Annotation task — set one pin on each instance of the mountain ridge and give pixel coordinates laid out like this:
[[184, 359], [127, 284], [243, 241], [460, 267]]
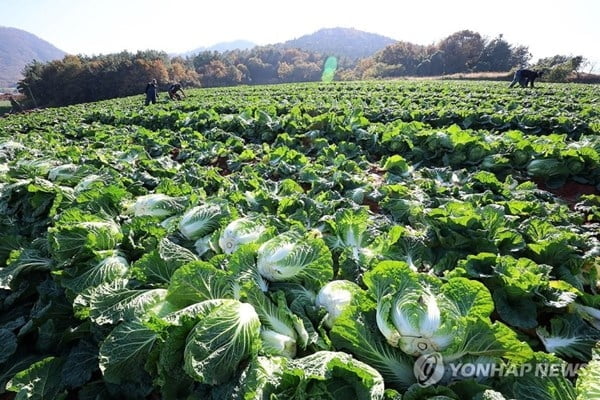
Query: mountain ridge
[[342, 42], [17, 49]]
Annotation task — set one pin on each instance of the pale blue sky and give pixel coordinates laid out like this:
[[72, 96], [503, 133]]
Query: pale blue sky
[[106, 26]]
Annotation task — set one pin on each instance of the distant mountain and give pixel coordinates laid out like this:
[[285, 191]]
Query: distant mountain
[[224, 46], [17, 49], [341, 42]]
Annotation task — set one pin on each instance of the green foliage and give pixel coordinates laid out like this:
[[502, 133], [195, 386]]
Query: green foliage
[[559, 67]]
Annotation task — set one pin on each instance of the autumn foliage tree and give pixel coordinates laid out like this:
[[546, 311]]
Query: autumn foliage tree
[[78, 79]]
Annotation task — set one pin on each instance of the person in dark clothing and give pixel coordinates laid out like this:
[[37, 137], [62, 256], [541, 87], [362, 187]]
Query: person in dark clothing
[[151, 92], [524, 77], [174, 90]]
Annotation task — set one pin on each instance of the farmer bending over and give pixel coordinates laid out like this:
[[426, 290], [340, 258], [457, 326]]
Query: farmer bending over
[[173, 92], [525, 77]]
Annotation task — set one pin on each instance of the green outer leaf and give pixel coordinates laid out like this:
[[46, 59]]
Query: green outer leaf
[[569, 337], [198, 281], [227, 334], [535, 385], [472, 298], [260, 380], [491, 340], [418, 392], [124, 351], [366, 383], [387, 278], [159, 265], [519, 312], [41, 380], [355, 331], [321, 375], [24, 262], [112, 303], [16, 363], [81, 363], [172, 379], [301, 302], [588, 381]]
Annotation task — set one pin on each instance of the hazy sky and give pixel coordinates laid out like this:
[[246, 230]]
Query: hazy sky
[[106, 26]]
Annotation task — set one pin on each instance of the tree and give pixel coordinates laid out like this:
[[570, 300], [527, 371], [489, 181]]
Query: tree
[[432, 64], [260, 71], [407, 54], [220, 73], [437, 61], [461, 51], [495, 56], [499, 55], [186, 76], [298, 72], [558, 68], [520, 56]]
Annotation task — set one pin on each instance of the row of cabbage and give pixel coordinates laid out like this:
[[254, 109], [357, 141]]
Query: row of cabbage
[[247, 254], [491, 106]]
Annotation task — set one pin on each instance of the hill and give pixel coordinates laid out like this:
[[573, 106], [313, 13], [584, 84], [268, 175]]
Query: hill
[[341, 42], [17, 49], [224, 46]]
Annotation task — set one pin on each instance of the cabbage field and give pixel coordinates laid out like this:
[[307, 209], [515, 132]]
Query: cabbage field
[[361, 240]]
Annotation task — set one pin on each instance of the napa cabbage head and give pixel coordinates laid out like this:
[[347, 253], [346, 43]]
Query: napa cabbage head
[[282, 332], [420, 323], [420, 314], [157, 205], [202, 220], [89, 181], [277, 343], [107, 266], [69, 174], [334, 297], [350, 230], [295, 257], [238, 232], [64, 173]]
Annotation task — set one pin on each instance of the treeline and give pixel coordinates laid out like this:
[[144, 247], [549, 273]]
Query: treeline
[[461, 52], [260, 65], [77, 79]]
